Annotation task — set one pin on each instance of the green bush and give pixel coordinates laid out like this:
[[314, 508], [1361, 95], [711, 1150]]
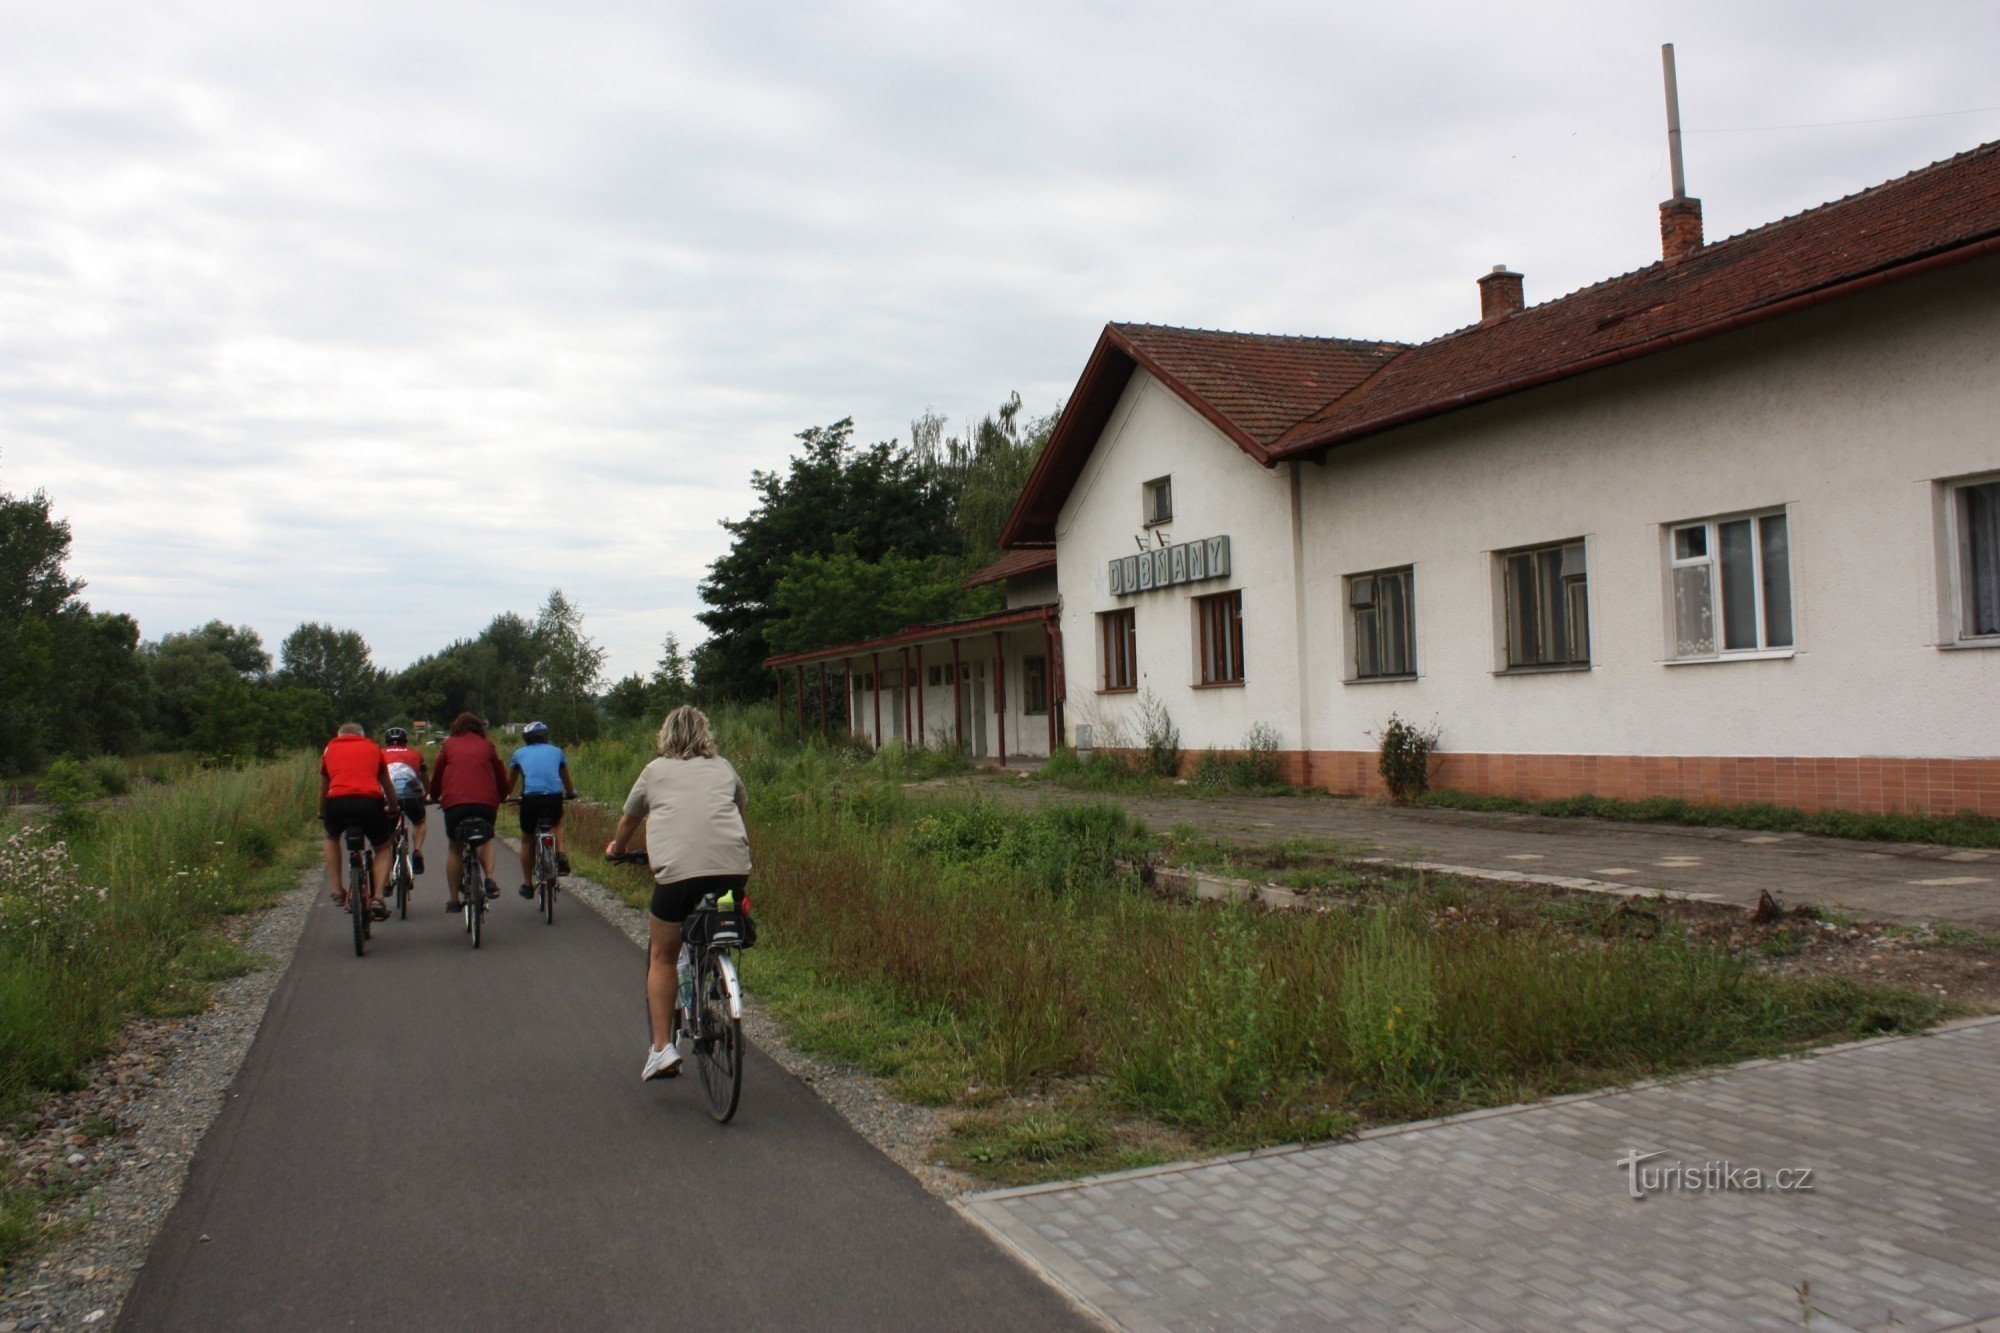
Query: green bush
[[68, 784], [110, 775], [1259, 765], [1163, 738], [1406, 758], [1388, 1003]]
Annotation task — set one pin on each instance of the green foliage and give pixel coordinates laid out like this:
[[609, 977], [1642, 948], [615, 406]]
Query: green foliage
[[1162, 737], [336, 663], [1405, 764], [243, 721], [568, 665], [71, 681], [982, 473], [1388, 1003], [491, 675], [840, 597], [1260, 756], [1964, 829], [877, 496]]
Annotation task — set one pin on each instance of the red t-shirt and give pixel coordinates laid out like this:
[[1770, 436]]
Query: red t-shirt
[[353, 766], [468, 772]]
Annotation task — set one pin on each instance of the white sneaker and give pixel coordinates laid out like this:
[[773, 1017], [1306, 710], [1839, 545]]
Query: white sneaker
[[663, 1063]]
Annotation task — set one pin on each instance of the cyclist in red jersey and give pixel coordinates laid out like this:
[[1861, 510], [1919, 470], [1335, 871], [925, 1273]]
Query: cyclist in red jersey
[[468, 782], [355, 792]]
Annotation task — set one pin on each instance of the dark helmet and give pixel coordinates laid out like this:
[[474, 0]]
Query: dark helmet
[[396, 736], [535, 729]]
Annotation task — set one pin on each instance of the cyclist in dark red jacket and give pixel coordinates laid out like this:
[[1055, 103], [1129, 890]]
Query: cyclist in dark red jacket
[[468, 782]]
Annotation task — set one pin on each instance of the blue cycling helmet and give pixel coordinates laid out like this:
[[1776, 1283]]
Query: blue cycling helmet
[[534, 729]]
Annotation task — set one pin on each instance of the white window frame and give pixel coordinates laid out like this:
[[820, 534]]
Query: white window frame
[[1711, 560], [1351, 584], [1954, 565], [1148, 500]]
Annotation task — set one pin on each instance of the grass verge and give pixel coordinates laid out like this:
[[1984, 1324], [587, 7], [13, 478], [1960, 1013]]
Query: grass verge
[[112, 916], [1958, 830]]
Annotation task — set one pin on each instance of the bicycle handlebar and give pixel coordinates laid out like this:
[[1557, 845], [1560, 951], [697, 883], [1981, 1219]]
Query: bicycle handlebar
[[628, 858]]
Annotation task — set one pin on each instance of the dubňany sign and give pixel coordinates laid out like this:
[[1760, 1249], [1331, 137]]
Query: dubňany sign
[[1167, 566]]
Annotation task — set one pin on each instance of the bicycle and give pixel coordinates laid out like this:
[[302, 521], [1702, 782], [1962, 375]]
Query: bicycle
[[472, 834], [547, 882], [401, 878], [360, 875], [714, 1021]]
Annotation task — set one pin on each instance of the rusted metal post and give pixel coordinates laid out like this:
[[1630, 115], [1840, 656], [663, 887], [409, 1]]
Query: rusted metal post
[[957, 698], [920, 694], [779, 672], [875, 679], [847, 693], [822, 701], [1000, 692], [799, 685], [903, 656]]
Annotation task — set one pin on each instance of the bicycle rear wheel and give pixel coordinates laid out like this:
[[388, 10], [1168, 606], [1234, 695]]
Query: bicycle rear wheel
[[357, 904], [719, 1050], [475, 903]]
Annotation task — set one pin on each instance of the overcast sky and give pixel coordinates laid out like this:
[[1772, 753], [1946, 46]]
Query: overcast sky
[[396, 315]]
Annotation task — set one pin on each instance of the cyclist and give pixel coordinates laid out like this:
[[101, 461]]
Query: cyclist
[[355, 792], [406, 770], [467, 783], [690, 804], [542, 773]]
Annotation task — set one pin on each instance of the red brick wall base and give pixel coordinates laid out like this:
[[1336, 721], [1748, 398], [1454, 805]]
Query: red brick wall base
[[1871, 786]]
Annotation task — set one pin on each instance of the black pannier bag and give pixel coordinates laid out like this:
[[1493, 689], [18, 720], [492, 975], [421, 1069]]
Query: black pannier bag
[[715, 927]]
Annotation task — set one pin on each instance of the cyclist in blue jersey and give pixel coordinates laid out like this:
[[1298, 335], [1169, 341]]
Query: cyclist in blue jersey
[[542, 773]]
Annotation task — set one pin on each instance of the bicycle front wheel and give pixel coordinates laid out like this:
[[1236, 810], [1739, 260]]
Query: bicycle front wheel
[[718, 1052]]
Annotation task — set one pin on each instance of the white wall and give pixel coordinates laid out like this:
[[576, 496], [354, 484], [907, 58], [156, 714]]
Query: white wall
[[1027, 733], [1218, 491], [1845, 415]]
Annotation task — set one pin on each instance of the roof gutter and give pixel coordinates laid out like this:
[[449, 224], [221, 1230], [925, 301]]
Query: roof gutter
[[1665, 342]]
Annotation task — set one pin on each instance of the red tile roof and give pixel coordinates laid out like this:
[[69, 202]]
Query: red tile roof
[[1251, 386], [1030, 560], [1281, 397], [1942, 213], [1260, 385]]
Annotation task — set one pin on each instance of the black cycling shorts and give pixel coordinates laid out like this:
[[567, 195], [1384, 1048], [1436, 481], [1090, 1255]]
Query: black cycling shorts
[[672, 902], [413, 809], [367, 813], [536, 808], [458, 814]]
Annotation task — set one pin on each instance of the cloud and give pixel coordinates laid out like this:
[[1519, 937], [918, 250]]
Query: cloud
[[399, 316]]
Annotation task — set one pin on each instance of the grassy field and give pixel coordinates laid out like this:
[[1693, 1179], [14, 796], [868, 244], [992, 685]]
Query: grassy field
[[111, 916], [997, 961]]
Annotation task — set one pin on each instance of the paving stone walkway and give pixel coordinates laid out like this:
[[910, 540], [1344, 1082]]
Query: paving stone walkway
[[1879, 880], [1524, 1217]]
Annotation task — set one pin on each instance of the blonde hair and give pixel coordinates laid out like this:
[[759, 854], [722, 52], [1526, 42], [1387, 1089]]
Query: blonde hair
[[685, 735]]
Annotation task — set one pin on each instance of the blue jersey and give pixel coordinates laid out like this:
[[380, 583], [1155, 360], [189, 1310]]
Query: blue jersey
[[540, 765]]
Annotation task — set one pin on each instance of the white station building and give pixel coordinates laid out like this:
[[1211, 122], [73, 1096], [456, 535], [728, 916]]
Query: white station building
[[1725, 528]]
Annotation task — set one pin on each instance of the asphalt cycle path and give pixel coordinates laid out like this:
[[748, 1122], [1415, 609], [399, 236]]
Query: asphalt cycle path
[[441, 1138]]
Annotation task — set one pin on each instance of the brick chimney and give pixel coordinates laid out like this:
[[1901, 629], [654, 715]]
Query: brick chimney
[[1680, 228], [1499, 294]]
